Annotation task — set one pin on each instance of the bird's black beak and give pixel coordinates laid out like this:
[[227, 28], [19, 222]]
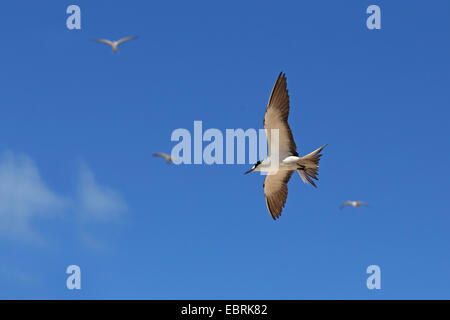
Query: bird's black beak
[[249, 171]]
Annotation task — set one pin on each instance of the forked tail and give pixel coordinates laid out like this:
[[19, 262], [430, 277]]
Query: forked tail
[[309, 166]]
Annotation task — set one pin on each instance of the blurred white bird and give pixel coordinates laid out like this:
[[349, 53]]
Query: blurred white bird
[[115, 44], [355, 204], [163, 155]]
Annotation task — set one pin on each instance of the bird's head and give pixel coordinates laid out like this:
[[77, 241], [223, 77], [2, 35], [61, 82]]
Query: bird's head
[[254, 168]]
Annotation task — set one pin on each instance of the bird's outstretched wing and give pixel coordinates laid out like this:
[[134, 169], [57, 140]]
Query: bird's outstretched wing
[[346, 203], [163, 155], [276, 117], [275, 190], [108, 42], [362, 203], [126, 39]]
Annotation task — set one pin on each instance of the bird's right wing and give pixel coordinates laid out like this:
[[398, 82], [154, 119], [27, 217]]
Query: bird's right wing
[[105, 41], [126, 39], [346, 203], [275, 190], [276, 117]]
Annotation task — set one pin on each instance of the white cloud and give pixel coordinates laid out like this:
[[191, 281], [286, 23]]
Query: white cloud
[[92, 242], [24, 197], [98, 202], [25, 200], [14, 275]]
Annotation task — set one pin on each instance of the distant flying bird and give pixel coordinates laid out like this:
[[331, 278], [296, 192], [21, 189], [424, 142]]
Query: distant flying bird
[[275, 184], [355, 204], [115, 44], [163, 155]]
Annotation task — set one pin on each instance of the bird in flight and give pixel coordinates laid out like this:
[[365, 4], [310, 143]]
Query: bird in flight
[[355, 204], [163, 155], [115, 44], [275, 184]]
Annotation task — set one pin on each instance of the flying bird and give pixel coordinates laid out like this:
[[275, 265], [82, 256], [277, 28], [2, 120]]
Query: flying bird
[[115, 44], [355, 204], [163, 155], [275, 184]]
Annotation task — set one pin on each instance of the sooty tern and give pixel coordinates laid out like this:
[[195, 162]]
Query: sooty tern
[[355, 204], [275, 184], [115, 44]]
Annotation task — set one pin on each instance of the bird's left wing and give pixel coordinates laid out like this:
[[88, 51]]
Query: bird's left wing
[[346, 203], [276, 117], [126, 39], [275, 190], [106, 41], [162, 155]]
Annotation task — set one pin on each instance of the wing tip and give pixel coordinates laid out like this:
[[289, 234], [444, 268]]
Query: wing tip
[[281, 76], [275, 216]]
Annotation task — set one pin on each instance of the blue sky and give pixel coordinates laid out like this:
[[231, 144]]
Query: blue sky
[[79, 125]]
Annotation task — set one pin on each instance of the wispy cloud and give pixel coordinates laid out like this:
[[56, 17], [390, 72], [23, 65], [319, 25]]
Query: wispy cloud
[[92, 242], [96, 202], [24, 197], [15, 275]]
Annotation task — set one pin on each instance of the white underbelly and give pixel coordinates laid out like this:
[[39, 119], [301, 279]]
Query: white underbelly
[[287, 163]]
